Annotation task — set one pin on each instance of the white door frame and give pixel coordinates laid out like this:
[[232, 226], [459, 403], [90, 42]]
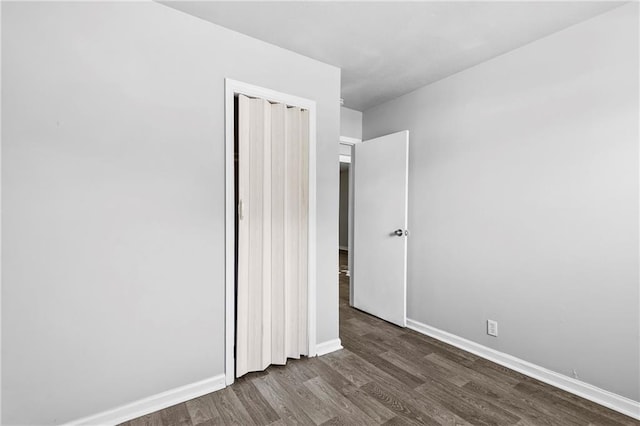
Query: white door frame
[[233, 88], [350, 141]]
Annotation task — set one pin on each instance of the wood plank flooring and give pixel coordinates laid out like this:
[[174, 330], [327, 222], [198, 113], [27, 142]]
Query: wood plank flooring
[[386, 375]]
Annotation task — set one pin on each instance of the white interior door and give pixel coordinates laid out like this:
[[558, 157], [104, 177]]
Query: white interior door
[[379, 276]]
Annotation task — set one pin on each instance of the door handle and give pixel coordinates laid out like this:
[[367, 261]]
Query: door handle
[[400, 232]]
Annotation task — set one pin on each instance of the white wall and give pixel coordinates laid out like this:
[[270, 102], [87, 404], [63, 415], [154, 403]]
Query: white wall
[[350, 123], [113, 199], [523, 204]]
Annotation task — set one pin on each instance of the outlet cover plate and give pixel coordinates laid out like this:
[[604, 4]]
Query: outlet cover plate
[[492, 328]]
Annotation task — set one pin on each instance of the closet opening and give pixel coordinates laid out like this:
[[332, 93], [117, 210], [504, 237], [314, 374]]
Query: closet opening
[[270, 229]]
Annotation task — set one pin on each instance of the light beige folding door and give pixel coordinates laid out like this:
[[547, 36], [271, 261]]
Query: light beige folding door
[[273, 215]]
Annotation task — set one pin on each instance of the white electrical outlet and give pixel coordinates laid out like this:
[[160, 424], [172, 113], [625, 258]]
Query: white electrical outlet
[[492, 328]]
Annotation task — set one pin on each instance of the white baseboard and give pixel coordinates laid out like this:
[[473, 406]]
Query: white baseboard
[[603, 397], [172, 397], [328, 347], [153, 403]]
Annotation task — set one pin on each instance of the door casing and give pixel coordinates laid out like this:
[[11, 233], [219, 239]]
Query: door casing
[[350, 141]]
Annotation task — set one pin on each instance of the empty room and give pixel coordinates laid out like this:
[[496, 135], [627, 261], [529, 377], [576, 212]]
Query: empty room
[[320, 213]]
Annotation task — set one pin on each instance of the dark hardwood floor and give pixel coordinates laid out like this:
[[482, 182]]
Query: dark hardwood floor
[[386, 375]]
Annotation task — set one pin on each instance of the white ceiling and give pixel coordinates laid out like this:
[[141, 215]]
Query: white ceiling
[[387, 49]]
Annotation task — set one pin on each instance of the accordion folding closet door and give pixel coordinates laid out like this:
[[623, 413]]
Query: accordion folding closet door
[[272, 217]]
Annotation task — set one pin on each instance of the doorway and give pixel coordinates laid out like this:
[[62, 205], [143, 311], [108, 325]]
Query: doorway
[[345, 217], [234, 209], [344, 209]]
